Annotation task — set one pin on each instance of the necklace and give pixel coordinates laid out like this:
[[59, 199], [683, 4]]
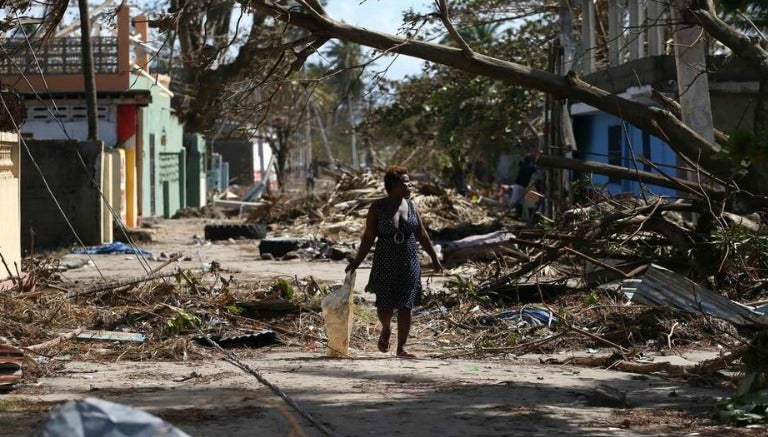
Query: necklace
[[399, 237]]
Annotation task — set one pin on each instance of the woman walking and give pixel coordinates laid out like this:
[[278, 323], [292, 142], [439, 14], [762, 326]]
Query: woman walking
[[394, 223]]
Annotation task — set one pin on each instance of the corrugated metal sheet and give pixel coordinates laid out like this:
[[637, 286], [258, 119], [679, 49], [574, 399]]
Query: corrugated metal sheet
[[11, 362], [662, 288]]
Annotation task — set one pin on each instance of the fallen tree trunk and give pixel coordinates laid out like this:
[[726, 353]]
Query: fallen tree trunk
[[626, 173], [480, 247], [616, 362]]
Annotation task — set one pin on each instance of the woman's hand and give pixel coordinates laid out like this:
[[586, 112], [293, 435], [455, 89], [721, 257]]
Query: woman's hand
[[354, 264]]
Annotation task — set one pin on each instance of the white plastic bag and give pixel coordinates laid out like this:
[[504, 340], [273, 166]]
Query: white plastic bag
[[337, 313]]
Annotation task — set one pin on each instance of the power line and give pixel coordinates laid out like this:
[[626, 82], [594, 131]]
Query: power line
[[142, 261], [45, 183]]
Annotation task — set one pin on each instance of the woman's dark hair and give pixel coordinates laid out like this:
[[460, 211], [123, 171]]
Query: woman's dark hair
[[393, 176]]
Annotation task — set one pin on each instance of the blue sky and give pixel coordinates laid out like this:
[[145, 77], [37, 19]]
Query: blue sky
[[383, 16], [380, 15]]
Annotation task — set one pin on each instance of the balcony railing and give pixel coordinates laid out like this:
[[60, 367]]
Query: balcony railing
[[58, 56]]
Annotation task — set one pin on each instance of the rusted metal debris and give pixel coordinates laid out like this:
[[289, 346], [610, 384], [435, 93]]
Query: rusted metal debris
[[11, 365]]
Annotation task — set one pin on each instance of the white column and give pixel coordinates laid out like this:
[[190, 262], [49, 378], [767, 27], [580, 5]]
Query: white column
[[615, 31], [588, 36], [655, 24], [636, 34], [692, 80]]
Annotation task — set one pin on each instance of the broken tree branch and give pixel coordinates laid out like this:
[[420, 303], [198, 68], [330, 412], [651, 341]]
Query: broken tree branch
[[443, 8], [54, 342], [655, 121], [620, 172]]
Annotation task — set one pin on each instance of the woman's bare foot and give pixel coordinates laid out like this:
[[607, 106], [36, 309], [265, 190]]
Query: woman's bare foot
[[405, 355], [384, 340]]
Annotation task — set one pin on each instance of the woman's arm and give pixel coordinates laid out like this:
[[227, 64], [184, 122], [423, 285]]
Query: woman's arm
[[366, 241], [426, 243]]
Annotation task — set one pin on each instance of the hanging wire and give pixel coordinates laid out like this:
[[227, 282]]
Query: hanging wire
[[47, 186], [140, 257]]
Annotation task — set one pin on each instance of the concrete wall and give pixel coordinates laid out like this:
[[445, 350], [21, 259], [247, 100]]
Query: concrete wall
[[10, 173], [44, 122], [72, 186], [732, 111]]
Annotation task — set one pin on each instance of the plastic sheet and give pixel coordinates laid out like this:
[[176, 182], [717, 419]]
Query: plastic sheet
[[116, 247], [93, 417], [337, 313]]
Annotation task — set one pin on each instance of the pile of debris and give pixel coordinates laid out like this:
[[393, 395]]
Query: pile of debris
[[340, 214], [163, 316], [207, 211]]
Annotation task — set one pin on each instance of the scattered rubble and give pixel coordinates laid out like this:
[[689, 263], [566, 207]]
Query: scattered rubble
[[590, 280], [202, 212]]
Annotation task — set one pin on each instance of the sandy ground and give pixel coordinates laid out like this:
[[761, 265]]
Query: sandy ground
[[370, 394]]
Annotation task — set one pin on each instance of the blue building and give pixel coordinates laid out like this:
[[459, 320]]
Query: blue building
[[605, 138], [628, 49]]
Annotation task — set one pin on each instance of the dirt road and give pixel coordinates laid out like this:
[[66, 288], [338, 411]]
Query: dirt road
[[372, 393]]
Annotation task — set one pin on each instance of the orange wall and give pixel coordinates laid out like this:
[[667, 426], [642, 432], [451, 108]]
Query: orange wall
[[74, 82]]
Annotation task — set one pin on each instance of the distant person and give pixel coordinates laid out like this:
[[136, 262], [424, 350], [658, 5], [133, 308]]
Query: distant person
[[460, 180], [525, 171], [311, 176], [369, 160], [534, 202], [480, 169], [394, 223]]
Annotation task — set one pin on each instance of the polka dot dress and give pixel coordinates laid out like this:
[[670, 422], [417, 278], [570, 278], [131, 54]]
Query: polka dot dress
[[396, 273]]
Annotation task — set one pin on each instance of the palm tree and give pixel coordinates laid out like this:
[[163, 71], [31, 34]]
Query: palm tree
[[479, 35], [346, 82]]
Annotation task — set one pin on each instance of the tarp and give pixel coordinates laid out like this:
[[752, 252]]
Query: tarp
[[116, 247], [92, 417]]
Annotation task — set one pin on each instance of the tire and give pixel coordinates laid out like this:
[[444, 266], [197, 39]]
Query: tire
[[225, 232], [279, 247]]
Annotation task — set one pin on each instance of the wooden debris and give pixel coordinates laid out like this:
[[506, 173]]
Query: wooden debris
[[50, 343]]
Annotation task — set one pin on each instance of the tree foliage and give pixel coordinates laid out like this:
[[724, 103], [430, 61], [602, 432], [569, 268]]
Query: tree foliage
[[466, 116], [269, 40]]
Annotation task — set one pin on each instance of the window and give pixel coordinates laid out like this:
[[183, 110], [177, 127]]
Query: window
[[615, 148]]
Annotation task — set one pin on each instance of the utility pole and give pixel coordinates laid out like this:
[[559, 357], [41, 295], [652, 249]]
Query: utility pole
[[88, 75], [692, 79], [353, 128]]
